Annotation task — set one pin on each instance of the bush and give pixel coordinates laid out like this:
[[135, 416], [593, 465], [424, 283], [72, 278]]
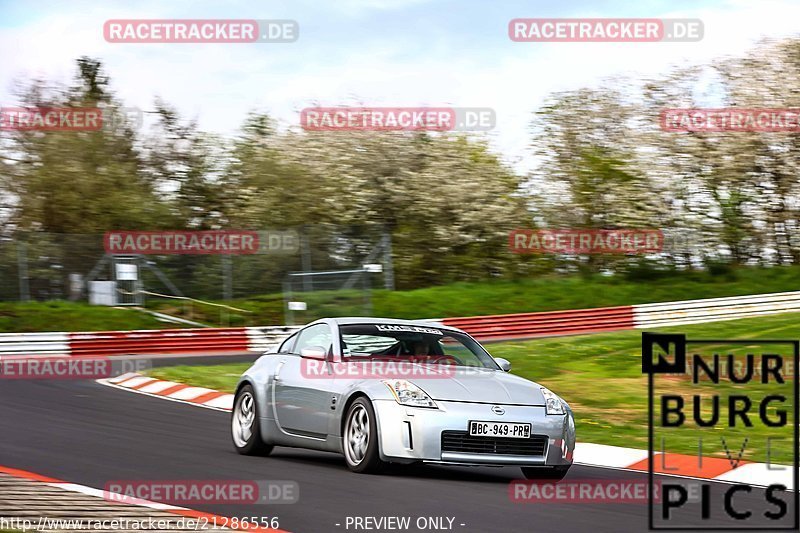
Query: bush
[[648, 270], [721, 269]]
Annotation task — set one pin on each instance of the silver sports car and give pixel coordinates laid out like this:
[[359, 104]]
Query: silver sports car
[[383, 390]]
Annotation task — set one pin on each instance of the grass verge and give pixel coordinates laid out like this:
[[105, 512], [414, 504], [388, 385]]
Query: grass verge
[[71, 316], [544, 293]]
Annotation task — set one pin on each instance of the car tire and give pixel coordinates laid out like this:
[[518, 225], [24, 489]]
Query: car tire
[[245, 424], [360, 440], [553, 473]]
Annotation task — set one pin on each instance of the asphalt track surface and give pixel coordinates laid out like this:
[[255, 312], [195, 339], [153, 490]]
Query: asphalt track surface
[[86, 433]]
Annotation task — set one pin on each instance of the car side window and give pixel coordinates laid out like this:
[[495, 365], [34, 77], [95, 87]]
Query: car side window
[[316, 335], [286, 345], [455, 349]]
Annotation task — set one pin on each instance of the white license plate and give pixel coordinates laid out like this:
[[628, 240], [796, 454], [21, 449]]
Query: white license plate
[[513, 430]]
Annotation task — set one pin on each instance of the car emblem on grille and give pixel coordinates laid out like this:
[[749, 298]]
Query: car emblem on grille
[[496, 409]]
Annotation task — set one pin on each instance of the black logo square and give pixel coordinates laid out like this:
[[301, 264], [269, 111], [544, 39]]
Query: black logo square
[[670, 350]]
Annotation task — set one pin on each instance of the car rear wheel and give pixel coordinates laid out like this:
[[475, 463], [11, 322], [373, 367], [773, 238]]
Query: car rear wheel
[[552, 473], [360, 439], [245, 426]]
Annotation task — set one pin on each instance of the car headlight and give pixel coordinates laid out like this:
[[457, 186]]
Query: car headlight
[[553, 405], [406, 393]]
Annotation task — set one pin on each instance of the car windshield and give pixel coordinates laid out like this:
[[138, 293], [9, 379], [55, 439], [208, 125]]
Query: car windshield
[[421, 343]]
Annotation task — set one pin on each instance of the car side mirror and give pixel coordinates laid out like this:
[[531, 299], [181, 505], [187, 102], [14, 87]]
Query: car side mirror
[[505, 364], [314, 352]]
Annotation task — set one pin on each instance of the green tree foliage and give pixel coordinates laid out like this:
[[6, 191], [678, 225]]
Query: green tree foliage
[[447, 200], [78, 182]]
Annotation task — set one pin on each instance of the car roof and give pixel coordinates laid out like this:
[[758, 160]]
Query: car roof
[[432, 322]]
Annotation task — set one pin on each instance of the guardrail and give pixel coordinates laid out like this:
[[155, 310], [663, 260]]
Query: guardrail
[[526, 325], [530, 325], [486, 328], [714, 309], [39, 344], [170, 341]]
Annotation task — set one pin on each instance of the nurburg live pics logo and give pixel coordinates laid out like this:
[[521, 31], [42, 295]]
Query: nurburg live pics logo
[[717, 406]]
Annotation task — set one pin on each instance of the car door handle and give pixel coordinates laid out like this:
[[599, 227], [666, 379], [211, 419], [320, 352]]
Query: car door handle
[[277, 375]]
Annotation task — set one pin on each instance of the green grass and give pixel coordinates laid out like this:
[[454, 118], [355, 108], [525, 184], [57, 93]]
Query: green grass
[[217, 377], [70, 316], [543, 293], [600, 376]]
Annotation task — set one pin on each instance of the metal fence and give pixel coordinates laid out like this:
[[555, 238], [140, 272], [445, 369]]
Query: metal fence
[[47, 266]]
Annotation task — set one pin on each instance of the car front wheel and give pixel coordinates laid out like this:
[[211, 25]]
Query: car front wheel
[[245, 427], [360, 439]]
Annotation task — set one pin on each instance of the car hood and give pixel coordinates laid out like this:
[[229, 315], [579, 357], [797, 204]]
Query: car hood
[[482, 386]]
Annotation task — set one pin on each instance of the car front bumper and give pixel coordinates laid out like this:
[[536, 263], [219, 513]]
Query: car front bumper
[[410, 434]]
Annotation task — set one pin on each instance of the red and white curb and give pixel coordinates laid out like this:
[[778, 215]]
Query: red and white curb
[[170, 390], [587, 454], [254, 339], [685, 466], [90, 491]]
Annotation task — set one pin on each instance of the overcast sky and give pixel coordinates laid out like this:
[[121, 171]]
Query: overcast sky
[[379, 52]]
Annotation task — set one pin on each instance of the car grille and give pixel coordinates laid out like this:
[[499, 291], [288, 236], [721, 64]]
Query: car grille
[[462, 442]]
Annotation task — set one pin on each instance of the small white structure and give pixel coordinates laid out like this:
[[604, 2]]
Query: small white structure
[[102, 293]]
